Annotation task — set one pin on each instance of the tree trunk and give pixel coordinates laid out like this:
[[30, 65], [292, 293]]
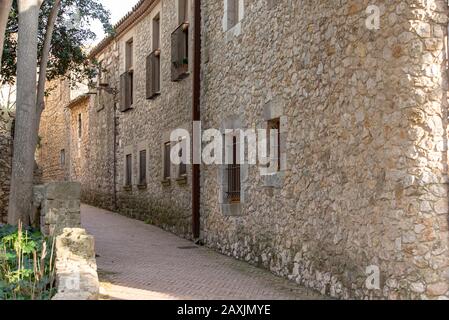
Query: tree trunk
[[21, 192], [5, 8]]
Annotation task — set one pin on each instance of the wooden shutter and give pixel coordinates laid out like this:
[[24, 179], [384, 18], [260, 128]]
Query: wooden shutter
[[124, 92], [157, 74], [179, 54], [149, 77], [174, 57], [128, 178], [153, 85], [143, 167], [167, 161]]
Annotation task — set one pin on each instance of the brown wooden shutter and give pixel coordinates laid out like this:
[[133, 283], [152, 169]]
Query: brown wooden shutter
[[174, 56], [179, 54], [124, 92], [153, 85], [157, 74], [149, 93]]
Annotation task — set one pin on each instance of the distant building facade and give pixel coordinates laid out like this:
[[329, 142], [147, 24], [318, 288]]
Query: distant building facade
[[358, 205], [6, 126]]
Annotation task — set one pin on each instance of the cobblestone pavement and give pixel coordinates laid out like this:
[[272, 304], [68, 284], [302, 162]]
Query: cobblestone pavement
[[137, 261]]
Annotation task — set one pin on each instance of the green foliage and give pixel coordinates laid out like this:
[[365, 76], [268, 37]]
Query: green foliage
[[68, 54], [26, 265]]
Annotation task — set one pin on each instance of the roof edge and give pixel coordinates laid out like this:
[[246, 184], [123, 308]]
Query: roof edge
[[122, 25]]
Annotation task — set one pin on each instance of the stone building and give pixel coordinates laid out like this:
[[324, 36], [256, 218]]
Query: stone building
[[54, 134], [6, 122], [360, 192]]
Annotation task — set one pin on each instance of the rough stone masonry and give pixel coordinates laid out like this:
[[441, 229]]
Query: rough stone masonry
[[363, 122], [6, 121]]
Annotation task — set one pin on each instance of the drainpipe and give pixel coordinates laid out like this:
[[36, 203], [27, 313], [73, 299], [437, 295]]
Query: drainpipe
[[114, 169], [196, 116]]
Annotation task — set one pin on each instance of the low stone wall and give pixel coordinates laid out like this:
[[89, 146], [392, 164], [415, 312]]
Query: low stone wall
[[58, 206], [76, 267], [6, 120]]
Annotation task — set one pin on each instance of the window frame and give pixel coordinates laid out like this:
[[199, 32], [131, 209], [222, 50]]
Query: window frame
[[143, 171], [128, 170], [275, 124], [62, 158], [166, 162], [80, 126]]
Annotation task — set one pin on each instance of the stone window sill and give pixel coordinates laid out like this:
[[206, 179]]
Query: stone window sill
[[182, 180], [232, 210], [154, 96], [234, 31], [166, 182], [127, 188], [142, 186], [275, 180]]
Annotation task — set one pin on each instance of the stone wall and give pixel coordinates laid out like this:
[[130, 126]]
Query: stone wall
[[54, 134], [76, 266], [366, 140], [6, 121], [146, 127], [364, 131], [79, 145], [58, 206]]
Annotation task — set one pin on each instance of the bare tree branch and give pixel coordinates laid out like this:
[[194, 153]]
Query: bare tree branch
[[5, 8]]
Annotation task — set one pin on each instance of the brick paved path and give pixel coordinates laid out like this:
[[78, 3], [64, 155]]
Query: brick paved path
[[141, 262]]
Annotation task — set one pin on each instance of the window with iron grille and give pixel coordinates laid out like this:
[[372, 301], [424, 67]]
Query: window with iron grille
[[182, 165], [180, 52], [143, 167], [233, 173], [274, 137], [62, 157], [167, 161], [80, 126], [128, 170]]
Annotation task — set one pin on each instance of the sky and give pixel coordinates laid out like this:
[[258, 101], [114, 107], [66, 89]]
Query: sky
[[118, 9]]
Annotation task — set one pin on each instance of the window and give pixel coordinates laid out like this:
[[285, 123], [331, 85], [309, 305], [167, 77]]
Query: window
[[233, 13], [156, 32], [180, 44], [129, 55], [80, 126], [167, 161], [62, 157], [183, 11], [102, 75], [153, 63], [274, 136], [182, 166], [233, 171], [128, 170], [143, 167], [127, 78]]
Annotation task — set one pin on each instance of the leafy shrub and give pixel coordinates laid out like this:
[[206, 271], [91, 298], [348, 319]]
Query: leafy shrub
[[26, 264]]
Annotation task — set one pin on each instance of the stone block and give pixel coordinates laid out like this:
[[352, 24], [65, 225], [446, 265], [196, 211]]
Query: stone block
[[76, 268], [63, 191]]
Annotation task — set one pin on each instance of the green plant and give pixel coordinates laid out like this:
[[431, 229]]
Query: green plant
[[26, 264]]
